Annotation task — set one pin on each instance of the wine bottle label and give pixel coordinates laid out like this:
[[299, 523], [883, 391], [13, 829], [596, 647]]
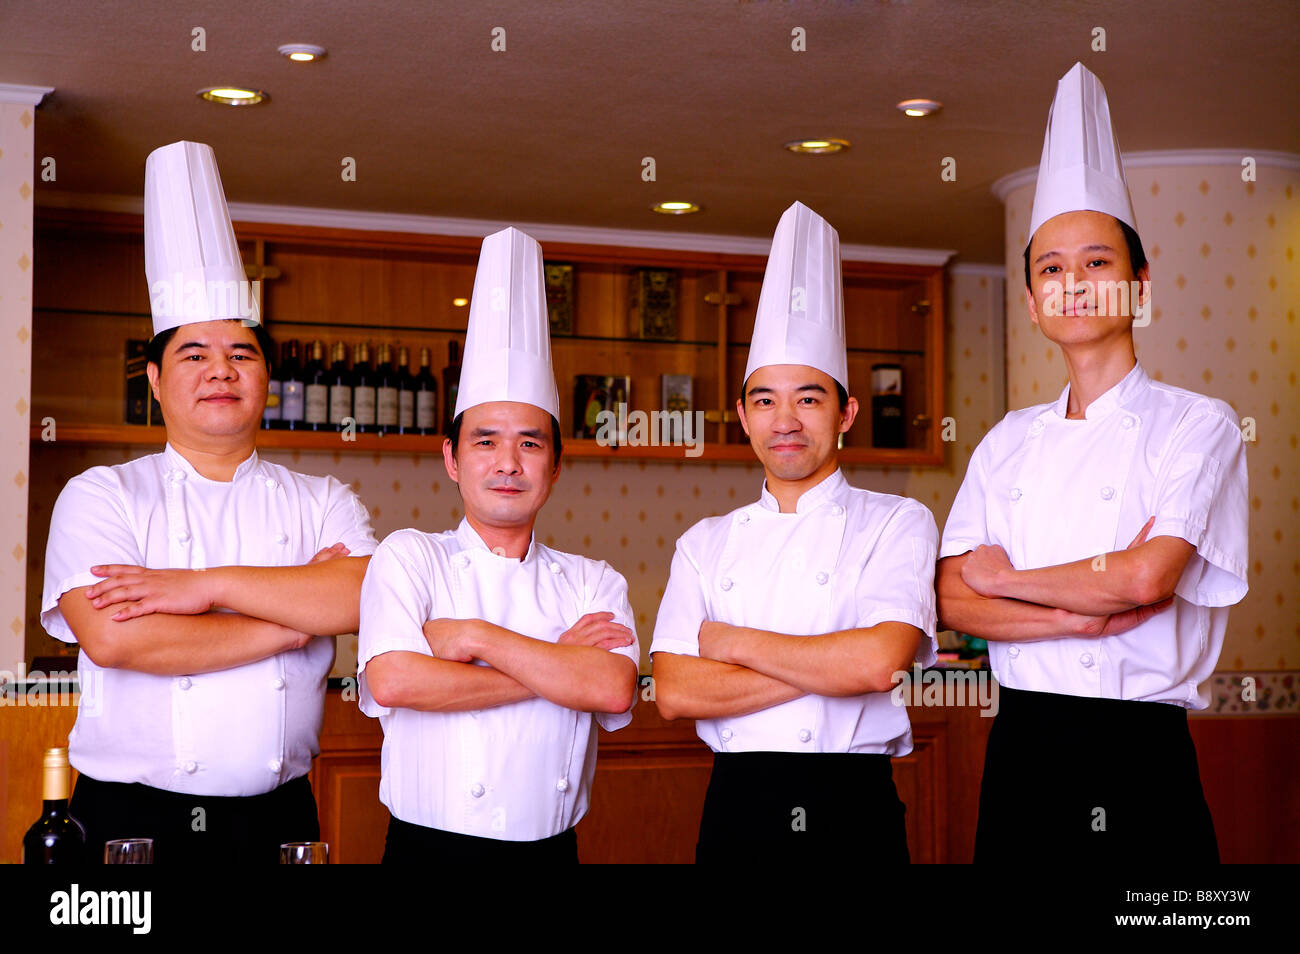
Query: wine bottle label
[[318, 403], [424, 404], [273, 401], [363, 405], [406, 409], [291, 401], [340, 403], [386, 407]]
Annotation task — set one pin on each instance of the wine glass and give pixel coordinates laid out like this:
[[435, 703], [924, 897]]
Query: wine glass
[[305, 853], [128, 851]]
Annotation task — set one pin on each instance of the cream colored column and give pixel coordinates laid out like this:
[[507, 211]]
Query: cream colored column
[[17, 186], [1225, 287]]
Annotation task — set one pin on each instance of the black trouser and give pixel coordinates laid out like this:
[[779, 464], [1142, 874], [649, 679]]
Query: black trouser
[[228, 829], [1076, 779], [409, 844], [766, 807]]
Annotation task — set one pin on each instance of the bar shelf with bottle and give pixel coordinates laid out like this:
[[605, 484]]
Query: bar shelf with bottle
[[407, 290]]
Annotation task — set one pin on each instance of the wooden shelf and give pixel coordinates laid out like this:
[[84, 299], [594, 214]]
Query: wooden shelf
[[136, 435]]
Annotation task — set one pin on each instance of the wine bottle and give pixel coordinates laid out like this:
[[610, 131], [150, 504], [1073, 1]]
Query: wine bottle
[[293, 385], [450, 384], [56, 837], [317, 402], [274, 398], [426, 396], [405, 393], [363, 389], [386, 391], [340, 384]]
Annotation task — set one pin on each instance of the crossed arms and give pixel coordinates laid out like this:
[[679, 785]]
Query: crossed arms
[[166, 622]]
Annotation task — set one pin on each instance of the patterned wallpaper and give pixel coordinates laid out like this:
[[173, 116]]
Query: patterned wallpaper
[[1224, 289], [17, 130], [629, 514]]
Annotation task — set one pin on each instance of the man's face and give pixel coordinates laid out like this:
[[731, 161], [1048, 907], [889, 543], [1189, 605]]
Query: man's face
[[212, 382], [793, 418], [504, 463], [1081, 279]]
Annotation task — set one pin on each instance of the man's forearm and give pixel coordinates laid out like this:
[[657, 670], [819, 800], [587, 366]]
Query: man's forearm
[[167, 645], [586, 678], [690, 687], [847, 662], [321, 598], [409, 680], [998, 618], [1109, 583]]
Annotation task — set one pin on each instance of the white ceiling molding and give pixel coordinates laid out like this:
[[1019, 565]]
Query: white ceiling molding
[[23, 95], [436, 225], [1165, 157], [979, 269]]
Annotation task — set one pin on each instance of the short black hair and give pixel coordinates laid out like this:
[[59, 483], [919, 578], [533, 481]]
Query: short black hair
[[158, 344], [1137, 256], [840, 392], [453, 435]]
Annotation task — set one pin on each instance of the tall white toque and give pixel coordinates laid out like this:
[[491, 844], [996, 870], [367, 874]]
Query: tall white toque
[[508, 344], [1081, 168], [191, 258], [800, 317]]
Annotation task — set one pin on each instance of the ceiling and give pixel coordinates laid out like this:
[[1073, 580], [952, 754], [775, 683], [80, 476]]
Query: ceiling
[[554, 129]]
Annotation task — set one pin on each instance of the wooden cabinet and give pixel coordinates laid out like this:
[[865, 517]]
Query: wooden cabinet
[[333, 284]]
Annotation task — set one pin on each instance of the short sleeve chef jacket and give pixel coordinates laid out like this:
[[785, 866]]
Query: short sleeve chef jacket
[[1050, 491], [515, 772], [847, 558], [240, 731]]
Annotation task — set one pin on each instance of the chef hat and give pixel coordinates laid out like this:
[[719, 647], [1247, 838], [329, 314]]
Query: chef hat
[[508, 344], [1081, 168], [191, 258], [800, 317]]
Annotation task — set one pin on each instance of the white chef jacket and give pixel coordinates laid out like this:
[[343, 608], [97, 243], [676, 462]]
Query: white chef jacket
[[239, 731], [847, 558], [1050, 491], [515, 772]]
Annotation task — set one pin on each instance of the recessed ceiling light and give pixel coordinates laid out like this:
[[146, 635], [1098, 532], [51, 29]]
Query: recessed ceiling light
[[675, 208], [301, 52], [817, 147], [920, 107], [460, 302], [233, 95]]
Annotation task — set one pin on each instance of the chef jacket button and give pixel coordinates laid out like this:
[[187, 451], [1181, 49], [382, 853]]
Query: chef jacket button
[[478, 790], [1015, 493], [184, 682], [822, 578], [282, 538], [1107, 493], [562, 785], [743, 518], [1035, 427], [837, 510], [726, 735], [1127, 422], [1014, 651], [183, 536], [277, 683], [190, 767], [1086, 659], [555, 568], [275, 765], [178, 475], [462, 560], [270, 484], [804, 735], [726, 583]]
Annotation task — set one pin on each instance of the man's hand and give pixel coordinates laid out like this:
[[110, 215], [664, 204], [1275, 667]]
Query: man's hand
[[143, 591], [984, 570], [329, 553], [450, 638], [599, 630], [1122, 622]]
